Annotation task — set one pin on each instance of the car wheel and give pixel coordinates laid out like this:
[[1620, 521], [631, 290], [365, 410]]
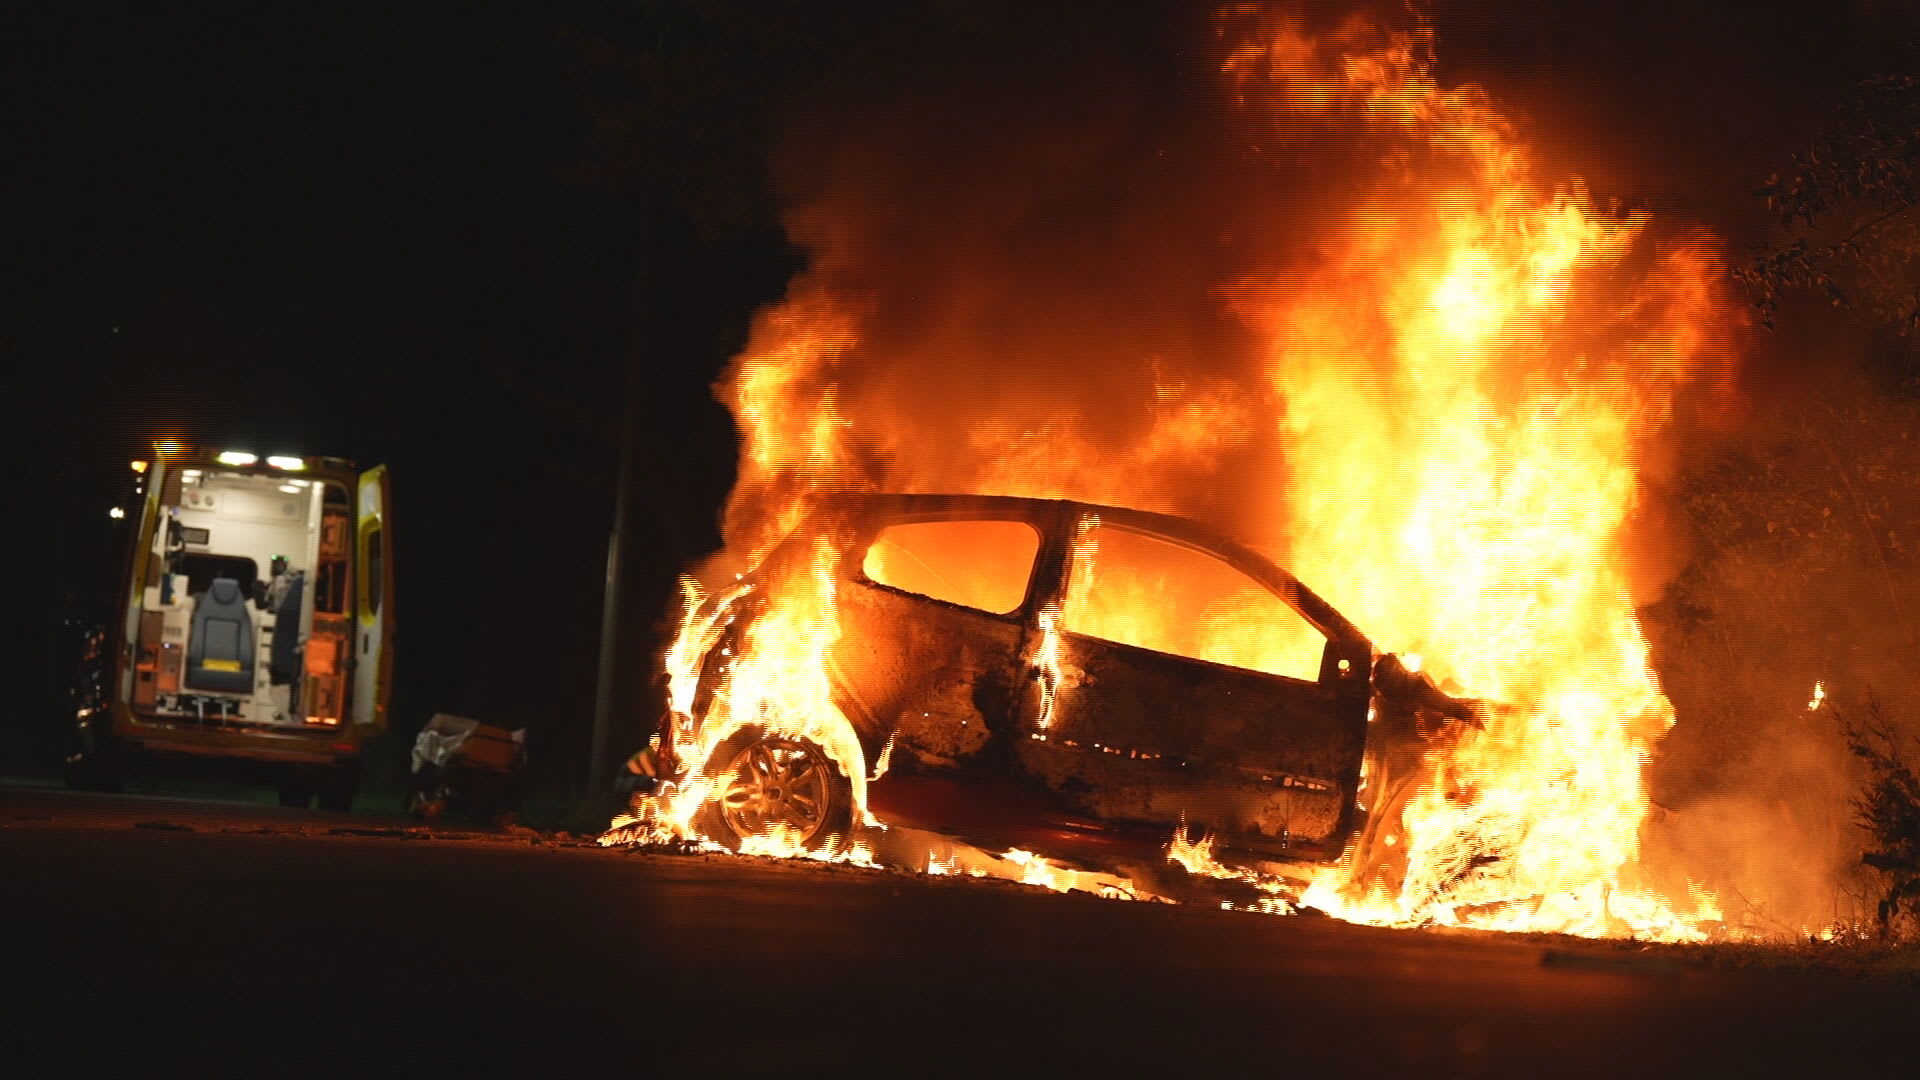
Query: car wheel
[[1379, 853], [338, 792], [777, 789]]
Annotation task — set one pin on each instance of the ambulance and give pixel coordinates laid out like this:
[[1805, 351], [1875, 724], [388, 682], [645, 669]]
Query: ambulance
[[253, 632]]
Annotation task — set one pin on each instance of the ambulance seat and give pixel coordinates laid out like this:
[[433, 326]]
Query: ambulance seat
[[220, 646]]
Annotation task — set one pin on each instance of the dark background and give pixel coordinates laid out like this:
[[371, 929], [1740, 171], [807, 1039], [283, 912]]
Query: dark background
[[438, 236]]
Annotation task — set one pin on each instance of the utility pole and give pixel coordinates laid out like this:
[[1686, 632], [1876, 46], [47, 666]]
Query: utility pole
[[597, 763]]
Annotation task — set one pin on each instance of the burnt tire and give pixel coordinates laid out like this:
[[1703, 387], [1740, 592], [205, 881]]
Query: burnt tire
[[777, 788], [1379, 853]]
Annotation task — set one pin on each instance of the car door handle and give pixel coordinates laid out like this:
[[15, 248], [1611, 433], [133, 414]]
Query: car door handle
[[1067, 678]]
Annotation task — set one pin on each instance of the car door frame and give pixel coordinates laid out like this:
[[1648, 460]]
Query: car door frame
[[1349, 685], [1042, 516]]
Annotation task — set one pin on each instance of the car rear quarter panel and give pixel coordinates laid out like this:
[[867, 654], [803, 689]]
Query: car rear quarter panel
[[939, 675]]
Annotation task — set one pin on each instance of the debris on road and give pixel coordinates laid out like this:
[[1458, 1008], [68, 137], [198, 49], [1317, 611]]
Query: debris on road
[[463, 765]]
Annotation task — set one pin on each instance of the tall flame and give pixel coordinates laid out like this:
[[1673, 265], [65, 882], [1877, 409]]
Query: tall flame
[[1468, 381], [774, 675], [1462, 382]]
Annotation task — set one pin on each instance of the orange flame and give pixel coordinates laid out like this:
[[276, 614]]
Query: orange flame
[[1467, 388], [1462, 383]]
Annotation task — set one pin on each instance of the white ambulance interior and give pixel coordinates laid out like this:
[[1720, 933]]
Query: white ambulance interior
[[245, 620]]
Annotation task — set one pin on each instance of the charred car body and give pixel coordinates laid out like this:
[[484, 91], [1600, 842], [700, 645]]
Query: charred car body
[[1074, 680]]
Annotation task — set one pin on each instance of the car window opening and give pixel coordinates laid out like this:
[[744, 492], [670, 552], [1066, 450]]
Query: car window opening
[[978, 564], [1135, 589]]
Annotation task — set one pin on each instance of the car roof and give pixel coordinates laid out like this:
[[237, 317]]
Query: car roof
[[1182, 531], [1020, 506]]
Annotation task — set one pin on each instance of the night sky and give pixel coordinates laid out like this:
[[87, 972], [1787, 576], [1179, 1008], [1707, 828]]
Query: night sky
[[438, 235]]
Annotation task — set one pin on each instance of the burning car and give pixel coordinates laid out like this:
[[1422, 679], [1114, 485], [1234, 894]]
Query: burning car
[[1077, 681]]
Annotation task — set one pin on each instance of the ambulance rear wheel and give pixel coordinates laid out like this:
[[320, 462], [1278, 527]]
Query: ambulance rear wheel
[[95, 764], [93, 773], [337, 793]]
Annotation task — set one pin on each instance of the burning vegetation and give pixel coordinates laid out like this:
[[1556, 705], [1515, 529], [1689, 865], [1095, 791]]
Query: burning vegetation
[[1351, 323]]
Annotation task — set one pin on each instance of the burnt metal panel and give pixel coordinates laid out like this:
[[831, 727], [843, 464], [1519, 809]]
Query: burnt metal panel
[[937, 677], [1140, 736]]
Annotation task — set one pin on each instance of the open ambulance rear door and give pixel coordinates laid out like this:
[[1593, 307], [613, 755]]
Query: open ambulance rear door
[[373, 603]]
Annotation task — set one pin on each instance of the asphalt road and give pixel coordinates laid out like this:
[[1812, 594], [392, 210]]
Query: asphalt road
[[151, 935]]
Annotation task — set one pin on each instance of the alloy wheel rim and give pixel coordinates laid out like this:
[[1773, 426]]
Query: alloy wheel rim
[[776, 787]]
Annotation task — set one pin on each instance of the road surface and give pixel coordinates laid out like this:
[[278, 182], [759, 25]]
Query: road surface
[[150, 935]]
